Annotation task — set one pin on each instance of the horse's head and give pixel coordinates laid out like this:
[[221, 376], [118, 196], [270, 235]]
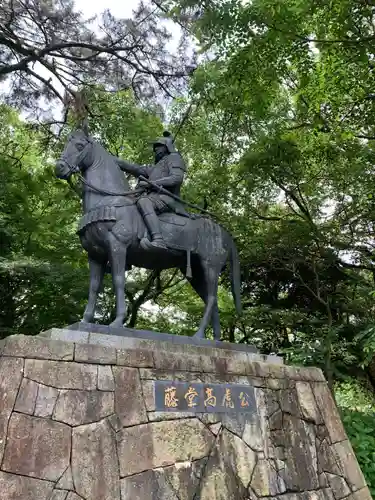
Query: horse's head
[[74, 155]]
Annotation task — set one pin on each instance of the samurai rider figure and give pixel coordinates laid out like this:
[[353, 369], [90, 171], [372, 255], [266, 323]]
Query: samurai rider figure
[[168, 173]]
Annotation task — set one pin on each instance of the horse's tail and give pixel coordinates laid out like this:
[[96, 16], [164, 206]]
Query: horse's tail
[[235, 276]]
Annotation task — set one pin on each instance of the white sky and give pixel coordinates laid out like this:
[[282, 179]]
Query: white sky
[[118, 9], [121, 9]]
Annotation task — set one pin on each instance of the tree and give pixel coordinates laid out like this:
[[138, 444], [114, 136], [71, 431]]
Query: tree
[[291, 91], [323, 56], [48, 50], [41, 272]]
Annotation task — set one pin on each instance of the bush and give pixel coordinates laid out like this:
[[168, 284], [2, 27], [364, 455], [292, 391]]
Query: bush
[[357, 408], [360, 428]]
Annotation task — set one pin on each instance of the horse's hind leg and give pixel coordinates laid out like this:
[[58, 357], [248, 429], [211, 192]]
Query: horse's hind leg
[[97, 269], [211, 280], [216, 321], [198, 283], [117, 258]]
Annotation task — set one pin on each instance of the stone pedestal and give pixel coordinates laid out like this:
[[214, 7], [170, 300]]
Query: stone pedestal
[[81, 418]]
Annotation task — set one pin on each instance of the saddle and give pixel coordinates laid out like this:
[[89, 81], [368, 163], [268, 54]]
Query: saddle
[[175, 227]]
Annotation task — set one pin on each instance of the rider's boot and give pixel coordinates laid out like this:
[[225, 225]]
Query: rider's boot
[[153, 225]]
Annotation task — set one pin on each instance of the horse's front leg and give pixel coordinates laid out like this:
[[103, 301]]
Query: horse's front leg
[[97, 269], [117, 257]]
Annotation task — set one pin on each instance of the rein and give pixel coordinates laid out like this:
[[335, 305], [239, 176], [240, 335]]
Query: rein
[[103, 191], [76, 170]]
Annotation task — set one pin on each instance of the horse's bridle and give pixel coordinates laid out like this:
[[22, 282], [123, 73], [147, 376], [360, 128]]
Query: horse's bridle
[[74, 169]]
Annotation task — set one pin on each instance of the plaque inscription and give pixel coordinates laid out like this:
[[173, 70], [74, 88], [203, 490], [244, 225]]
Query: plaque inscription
[[204, 398]]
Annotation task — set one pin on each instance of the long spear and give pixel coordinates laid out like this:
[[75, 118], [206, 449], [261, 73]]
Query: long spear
[[175, 197]]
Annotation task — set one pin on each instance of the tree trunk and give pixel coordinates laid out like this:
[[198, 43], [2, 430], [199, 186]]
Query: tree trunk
[[328, 367]]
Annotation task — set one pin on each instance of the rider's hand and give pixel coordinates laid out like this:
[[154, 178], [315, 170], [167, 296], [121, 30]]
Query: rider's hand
[[143, 184]]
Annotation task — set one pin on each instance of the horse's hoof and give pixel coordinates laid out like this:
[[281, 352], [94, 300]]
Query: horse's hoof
[[199, 335], [87, 321]]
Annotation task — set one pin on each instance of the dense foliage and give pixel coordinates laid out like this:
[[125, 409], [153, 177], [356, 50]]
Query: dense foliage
[[294, 166], [278, 132], [360, 428], [357, 412]]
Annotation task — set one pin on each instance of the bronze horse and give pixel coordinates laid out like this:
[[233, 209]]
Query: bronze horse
[[111, 229]]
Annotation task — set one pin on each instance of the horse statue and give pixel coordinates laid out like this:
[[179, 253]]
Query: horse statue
[[112, 228]]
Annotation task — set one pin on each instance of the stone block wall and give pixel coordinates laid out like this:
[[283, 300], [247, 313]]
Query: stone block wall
[[78, 422]]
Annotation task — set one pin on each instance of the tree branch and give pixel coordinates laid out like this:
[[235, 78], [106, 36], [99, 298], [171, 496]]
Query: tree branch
[[47, 83]]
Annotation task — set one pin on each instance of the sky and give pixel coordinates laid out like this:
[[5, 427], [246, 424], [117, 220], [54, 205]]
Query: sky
[[119, 9]]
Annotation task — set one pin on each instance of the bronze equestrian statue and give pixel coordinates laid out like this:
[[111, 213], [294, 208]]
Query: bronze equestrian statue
[[146, 227]]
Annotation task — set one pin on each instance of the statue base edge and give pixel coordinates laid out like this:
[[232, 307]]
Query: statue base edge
[[160, 336]]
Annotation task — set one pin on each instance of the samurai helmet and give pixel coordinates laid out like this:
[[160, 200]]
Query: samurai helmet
[[167, 141]]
